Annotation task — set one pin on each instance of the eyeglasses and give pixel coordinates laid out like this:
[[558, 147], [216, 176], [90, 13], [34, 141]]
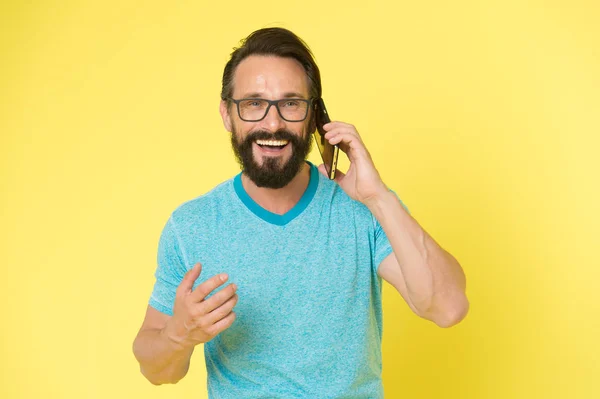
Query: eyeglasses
[[256, 109]]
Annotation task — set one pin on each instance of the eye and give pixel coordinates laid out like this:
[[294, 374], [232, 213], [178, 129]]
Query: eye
[[253, 103], [291, 103]]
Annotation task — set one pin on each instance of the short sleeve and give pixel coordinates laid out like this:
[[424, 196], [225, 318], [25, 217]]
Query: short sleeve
[[171, 267], [382, 245]]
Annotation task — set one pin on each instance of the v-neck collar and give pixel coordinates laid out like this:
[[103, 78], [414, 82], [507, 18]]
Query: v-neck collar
[[273, 218]]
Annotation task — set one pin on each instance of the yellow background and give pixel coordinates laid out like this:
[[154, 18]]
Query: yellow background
[[484, 116]]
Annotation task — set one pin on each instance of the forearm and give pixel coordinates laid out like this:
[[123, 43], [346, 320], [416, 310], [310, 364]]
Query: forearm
[[162, 361], [434, 279]]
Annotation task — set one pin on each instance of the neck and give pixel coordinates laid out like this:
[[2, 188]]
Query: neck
[[279, 200]]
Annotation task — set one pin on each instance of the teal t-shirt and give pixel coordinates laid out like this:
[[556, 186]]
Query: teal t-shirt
[[308, 318]]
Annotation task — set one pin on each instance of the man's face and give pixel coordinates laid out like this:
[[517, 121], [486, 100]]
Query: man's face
[[271, 78]]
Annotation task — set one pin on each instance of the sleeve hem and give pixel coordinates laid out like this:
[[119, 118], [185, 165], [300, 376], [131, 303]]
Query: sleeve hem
[[382, 255], [160, 307]]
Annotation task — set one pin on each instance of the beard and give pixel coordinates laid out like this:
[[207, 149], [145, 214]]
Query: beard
[[274, 171]]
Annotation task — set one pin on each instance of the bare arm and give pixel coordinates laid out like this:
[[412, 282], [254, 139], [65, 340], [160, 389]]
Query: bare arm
[[164, 344], [161, 359], [427, 276]]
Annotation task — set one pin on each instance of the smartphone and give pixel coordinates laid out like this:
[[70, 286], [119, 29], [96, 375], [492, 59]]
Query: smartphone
[[329, 152]]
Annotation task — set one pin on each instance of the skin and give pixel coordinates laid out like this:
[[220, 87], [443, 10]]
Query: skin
[[271, 78], [164, 345], [428, 278]]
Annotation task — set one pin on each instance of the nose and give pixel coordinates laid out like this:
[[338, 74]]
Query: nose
[[272, 121]]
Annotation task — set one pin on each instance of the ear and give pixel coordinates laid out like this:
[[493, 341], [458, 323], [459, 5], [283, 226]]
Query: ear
[[225, 115]]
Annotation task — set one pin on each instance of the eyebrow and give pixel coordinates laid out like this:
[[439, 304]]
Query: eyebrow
[[291, 94]]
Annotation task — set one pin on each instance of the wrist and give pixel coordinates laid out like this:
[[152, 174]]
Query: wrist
[[378, 201], [174, 340]]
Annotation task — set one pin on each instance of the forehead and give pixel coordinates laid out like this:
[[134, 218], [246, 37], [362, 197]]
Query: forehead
[[269, 77]]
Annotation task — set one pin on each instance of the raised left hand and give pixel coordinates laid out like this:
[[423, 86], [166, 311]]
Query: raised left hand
[[362, 181]]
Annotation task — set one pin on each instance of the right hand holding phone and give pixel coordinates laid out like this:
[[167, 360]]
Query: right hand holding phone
[[196, 320]]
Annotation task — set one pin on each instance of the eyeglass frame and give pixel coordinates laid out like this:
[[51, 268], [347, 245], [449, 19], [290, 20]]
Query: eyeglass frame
[[309, 103]]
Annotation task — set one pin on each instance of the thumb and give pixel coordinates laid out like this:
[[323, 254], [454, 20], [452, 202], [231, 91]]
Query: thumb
[[323, 170], [187, 283], [339, 175]]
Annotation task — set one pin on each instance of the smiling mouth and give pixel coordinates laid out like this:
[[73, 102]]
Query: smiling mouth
[[273, 146]]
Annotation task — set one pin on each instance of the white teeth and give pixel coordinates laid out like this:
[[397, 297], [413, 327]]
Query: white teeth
[[272, 142]]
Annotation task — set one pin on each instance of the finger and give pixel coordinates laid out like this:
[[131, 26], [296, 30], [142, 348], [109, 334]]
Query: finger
[[339, 175], [219, 298], [334, 140], [343, 137], [349, 143], [323, 170], [337, 124], [208, 286], [331, 125], [222, 324], [337, 129], [344, 147], [221, 311], [188, 279]]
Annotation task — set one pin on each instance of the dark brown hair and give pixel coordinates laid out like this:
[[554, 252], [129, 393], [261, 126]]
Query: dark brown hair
[[278, 42]]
